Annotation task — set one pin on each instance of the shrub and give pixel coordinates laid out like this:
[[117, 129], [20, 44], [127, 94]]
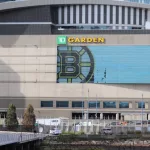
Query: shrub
[[29, 118], [11, 118]]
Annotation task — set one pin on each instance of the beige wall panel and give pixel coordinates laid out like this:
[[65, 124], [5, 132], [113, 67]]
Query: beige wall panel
[[4, 90], [47, 77], [5, 68], [4, 77], [26, 40], [4, 51], [48, 68]]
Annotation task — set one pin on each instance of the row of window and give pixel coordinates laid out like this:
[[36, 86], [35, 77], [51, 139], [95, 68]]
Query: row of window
[[101, 14], [140, 1], [91, 104]]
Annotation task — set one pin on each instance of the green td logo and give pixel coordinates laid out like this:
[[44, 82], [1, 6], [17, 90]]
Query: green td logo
[[62, 40]]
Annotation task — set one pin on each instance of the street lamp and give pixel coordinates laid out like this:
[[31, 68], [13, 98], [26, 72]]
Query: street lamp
[[142, 113]]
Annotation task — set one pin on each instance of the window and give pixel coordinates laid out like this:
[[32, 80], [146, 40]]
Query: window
[[80, 14], [134, 16], [74, 14], [94, 104], [46, 103], [86, 13], [62, 15], [99, 14], [123, 15], [140, 16], [129, 15], [109, 104], [111, 14], [92, 16], [146, 14], [68, 14], [141, 105], [105, 14], [78, 104], [62, 103], [124, 105], [117, 14]]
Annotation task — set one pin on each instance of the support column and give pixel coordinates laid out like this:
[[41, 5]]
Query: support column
[[148, 116], [101, 116], [117, 116]]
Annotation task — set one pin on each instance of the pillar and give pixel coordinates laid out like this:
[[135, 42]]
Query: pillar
[[148, 116], [117, 116], [101, 116]]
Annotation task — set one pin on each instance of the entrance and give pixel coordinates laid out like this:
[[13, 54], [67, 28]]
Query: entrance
[[77, 116], [3, 114], [94, 115], [109, 116]]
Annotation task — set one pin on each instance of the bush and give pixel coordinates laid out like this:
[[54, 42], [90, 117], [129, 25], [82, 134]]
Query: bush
[[74, 133], [138, 132], [11, 118], [130, 132], [29, 119]]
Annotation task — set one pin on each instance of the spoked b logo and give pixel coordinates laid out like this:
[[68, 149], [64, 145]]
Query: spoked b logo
[[61, 40]]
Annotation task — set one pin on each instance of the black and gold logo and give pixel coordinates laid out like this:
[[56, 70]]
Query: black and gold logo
[[75, 64]]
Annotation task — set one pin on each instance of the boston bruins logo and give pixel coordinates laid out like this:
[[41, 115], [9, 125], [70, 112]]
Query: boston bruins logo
[[75, 64]]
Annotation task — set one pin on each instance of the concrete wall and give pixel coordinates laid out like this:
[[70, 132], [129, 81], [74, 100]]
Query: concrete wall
[[28, 66]]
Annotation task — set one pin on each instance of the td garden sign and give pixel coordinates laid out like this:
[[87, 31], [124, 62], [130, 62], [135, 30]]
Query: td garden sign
[[64, 40]]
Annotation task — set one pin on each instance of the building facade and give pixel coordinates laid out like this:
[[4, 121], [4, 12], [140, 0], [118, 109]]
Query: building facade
[[60, 57]]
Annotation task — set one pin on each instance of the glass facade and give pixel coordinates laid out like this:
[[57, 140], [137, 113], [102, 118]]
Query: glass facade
[[62, 104], [109, 104], [46, 103], [124, 105], [94, 104], [78, 104]]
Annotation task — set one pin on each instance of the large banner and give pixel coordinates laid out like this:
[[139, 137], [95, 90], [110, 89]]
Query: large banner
[[103, 64]]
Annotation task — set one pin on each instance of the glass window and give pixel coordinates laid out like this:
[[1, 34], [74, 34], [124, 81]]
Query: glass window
[[129, 15], [62, 103], [99, 14], [134, 16], [140, 16], [141, 105], [117, 14], [123, 14], [80, 14], [105, 14], [111, 12], [92, 16], [109, 104], [86, 13], [74, 14], [68, 14], [62, 15], [46, 103], [94, 104], [124, 105], [77, 104], [146, 14]]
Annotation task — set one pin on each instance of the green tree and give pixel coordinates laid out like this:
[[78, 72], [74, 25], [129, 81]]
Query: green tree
[[11, 117], [29, 118]]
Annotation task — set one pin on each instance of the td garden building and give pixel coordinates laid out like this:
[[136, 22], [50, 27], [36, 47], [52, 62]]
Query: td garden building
[[75, 59]]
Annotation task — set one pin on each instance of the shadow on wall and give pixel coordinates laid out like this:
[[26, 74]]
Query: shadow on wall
[[10, 89]]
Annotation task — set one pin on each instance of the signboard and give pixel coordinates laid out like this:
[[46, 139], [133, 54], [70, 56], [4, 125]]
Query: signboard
[[64, 40]]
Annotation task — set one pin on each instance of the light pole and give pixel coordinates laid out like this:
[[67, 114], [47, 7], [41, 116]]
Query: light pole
[[96, 106], [82, 104], [142, 113], [87, 113]]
